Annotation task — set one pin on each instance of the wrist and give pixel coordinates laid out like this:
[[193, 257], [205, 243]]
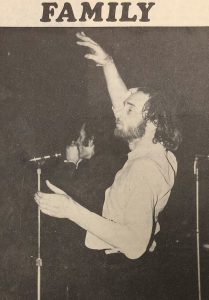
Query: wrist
[[78, 214], [108, 60], [73, 211]]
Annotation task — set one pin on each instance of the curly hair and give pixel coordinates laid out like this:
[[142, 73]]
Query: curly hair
[[157, 111]]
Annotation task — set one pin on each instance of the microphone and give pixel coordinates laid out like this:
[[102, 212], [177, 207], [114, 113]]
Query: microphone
[[201, 156], [196, 161], [45, 157]]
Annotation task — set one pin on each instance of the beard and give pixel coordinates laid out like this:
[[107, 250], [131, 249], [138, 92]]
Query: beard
[[132, 133]]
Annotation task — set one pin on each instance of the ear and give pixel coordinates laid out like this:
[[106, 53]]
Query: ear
[[155, 122], [151, 126], [152, 123]]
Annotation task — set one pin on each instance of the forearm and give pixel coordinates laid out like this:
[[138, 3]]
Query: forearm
[[115, 85], [120, 236]]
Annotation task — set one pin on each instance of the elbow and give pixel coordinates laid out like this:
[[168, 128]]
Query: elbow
[[135, 252], [135, 246]]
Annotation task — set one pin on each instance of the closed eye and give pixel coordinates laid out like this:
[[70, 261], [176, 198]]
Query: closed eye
[[130, 110], [131, 107]]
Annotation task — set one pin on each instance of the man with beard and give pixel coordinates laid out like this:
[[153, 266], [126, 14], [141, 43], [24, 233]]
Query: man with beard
[[125, 233]]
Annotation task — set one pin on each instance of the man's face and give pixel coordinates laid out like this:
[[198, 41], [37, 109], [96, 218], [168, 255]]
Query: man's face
[[85, 151], [129, 122]]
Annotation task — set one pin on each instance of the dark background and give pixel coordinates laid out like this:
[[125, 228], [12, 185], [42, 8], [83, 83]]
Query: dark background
[[47, 88]]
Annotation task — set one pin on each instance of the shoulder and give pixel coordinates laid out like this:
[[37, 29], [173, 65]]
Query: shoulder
[[143, 166], [145, 171]]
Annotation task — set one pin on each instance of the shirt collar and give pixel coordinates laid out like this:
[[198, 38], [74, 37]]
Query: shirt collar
[[143, 149]]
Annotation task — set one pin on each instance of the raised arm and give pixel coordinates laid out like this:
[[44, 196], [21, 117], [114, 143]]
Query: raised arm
[[115, 85]]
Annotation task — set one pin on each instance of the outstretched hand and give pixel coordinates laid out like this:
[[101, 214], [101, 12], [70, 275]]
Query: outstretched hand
[[58, 205], [97, 54]]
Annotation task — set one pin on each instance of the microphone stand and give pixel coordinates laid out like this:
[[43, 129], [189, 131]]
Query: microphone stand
[[40, 161], [39, 260], [196, 173]]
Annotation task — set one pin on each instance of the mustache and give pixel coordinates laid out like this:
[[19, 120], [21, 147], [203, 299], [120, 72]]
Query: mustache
[[118, 121]]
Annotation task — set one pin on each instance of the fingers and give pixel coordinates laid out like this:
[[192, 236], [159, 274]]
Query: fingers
[[91, 142], [88, 44], [54, 205], [48, 211], [38, 196], [85, 38], [97, 54], [44, 199], [54, 189], [90, 56]]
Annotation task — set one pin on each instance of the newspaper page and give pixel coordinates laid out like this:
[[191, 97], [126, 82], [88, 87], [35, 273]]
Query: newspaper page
[[100, 102]]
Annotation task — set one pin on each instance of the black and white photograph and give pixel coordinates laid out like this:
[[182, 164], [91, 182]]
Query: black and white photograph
[[104, 158]]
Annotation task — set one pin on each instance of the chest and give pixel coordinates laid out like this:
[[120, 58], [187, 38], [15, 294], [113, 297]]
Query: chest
[[117, 196]]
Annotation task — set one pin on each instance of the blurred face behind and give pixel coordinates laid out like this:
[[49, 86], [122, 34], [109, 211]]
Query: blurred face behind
[[86, 150], [130, 124]]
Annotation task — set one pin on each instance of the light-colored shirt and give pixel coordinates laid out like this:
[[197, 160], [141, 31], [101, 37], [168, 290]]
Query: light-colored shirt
[[139, 193]]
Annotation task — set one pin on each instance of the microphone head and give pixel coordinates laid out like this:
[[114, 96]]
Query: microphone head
[[44, 158], [201, 156]]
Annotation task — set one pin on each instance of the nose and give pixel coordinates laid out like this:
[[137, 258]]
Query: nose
[[118, 120]]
